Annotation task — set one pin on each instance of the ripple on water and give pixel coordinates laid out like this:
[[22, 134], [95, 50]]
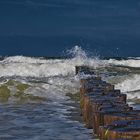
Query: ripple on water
[[40, 122]]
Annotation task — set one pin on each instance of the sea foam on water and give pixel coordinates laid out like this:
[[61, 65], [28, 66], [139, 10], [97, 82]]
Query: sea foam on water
[[37, 90], [59, 74]]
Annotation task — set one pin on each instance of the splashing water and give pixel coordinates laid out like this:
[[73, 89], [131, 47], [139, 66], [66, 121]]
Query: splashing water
[[77, 52], [52, 79], [55, 77], [39, 67], [80, 57], [37, 105], [130, 86], [58, 70]]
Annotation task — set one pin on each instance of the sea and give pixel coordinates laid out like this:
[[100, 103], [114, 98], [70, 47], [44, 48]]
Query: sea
[[39, 95], [34, 101]]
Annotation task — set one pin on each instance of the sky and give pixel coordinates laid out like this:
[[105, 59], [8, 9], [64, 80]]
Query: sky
[[50, 27]]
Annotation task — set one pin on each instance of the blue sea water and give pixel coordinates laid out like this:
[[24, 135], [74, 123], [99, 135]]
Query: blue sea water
[[33, 94], [48, 27], [42, 110]]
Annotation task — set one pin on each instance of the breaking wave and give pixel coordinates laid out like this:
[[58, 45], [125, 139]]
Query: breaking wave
[[62, 71], [131, 86], [39, 67], [130, 62]]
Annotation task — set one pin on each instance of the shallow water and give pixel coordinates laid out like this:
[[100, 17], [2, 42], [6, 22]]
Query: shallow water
[[38, 108], [40, 122]]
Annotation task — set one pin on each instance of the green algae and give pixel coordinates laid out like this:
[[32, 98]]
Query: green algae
[[16, 90], [22, 97], [22, 87], [4, 93]]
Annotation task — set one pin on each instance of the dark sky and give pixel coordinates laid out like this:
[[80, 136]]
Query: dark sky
[[48, 27]]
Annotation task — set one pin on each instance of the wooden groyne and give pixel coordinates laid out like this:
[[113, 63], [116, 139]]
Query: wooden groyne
[[105, 109]]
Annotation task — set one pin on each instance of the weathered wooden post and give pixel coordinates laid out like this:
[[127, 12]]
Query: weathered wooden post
[[105, 110], [121, 129]]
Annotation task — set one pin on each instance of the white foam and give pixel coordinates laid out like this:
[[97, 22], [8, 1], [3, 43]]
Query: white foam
[[49, 68], [23, 59], [38, 67], [24, 66], [56, 76], [129, 62], [131, 86]]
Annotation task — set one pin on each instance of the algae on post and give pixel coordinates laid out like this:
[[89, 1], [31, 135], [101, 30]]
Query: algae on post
[[4, 93]]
